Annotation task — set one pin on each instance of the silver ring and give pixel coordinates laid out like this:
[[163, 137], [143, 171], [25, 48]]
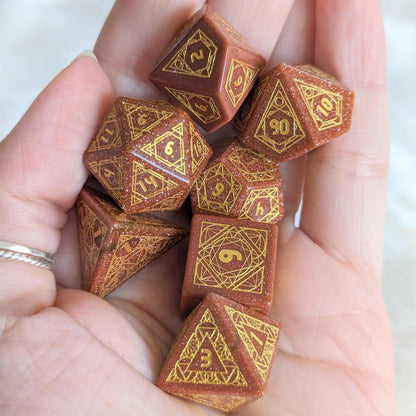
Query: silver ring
[[13, 251]]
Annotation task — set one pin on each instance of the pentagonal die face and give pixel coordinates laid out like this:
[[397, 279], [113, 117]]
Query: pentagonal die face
[[208, 69], [292, 110], [239, 182], [147, 154]]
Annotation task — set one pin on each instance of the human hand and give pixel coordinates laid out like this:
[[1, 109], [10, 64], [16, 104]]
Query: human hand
[[69, 352]]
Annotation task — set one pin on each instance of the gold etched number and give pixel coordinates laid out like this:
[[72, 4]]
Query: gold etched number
[[108, 173], [227, 256], [280, 126], [238, 81], [142, 120], [259, 209], [325, 106], [206, 358], [169, 148], [197, 55], [106, 139], [256, 338], [219, 189], [150, 180], [201, 107]]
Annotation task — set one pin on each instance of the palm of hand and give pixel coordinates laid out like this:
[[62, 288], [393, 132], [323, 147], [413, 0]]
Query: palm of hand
[[84, 355]]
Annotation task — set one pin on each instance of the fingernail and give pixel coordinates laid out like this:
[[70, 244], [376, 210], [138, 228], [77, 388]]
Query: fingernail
[[89, 53]]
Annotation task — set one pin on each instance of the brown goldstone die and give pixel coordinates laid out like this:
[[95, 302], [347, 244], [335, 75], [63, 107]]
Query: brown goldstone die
[[232, 257], [114, 245], [292, 110], [208, 69], [239, 182], [147, 154], [223, 355]]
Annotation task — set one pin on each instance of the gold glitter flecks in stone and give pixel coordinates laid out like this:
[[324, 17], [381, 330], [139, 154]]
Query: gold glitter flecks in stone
[[279, 128], [313, 70], [262, 205], [199, 148], [230, 32], [170, 203], [108, 136], [206, 358], [324, 106], [224, 402], [259, 338]]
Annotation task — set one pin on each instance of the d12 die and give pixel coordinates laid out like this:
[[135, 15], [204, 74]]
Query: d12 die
[[147, 155], [234, 258], [239, 182], [223, 355], [208, 69], [114, 245], [292, 110]]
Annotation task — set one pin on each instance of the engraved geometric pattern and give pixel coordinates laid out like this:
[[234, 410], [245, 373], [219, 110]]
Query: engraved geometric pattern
[[254, 166], [142, 118], [316, 71], [147, 183], [195, 365], [199, 149], [195, 58], [108, 136], [169, 203], [279, 120], [230, 31], [261, 205], [324, 106], [209, 197], [240, 77], [258, 337], [223, 402], [214, 268], [202, 106], [169, 150]]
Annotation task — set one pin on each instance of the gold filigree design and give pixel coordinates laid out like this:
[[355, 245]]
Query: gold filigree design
[[206, 358], [279, 128], [108, 136], [195, 58], [259, 338], [324, 106], [239, 79], [169, 203], [313, 70], [231, 257], [199, 148], [224, 402], [230, 32], [262, 205]]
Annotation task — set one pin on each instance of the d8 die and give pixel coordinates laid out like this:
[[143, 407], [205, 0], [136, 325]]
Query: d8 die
[[234, 258], [223, 355], [208, 69], [147, 155], [239, 182], [292, 110], [114, 245]]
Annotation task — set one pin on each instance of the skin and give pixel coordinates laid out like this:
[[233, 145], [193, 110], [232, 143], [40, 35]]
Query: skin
[[64, 351]]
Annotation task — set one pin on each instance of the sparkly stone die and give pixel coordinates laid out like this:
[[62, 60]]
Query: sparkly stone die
[[208, 69], [239, 182], [147, 154], [114, 245], [292, 110], [232, 257], [223, 355]]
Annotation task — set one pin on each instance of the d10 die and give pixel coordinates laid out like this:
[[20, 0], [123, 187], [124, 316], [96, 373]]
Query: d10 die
[[239, 182], [292, 110], [223, 355], [234, 258], [114, 245], [208, 69], [147, 155]]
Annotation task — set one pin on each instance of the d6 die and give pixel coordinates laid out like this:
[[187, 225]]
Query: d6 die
[[292, 110], [239, 182], [147, 155], [234, 258], [223, 355], [114, 245], [208, 69]]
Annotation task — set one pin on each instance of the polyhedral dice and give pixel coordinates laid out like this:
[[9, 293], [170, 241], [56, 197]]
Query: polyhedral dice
[[223, 355], [239, 182], [114, 245], [147, 154], [234, 258], [208, 69], [292, 110]]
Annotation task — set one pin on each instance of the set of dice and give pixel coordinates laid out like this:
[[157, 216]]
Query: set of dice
[[149, 156]]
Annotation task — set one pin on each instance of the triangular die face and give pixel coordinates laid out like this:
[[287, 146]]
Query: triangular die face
[[224, 402]]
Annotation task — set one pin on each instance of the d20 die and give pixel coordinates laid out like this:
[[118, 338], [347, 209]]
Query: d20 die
[[114, 245], [223, 355], [239, 182], [208, 69], [292, 110], [147, 154], [234, 258]]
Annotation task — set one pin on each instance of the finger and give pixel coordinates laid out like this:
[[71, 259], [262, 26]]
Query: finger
[[343, 209]]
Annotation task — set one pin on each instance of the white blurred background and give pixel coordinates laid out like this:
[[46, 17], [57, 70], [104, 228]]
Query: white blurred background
[[39, 37]]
